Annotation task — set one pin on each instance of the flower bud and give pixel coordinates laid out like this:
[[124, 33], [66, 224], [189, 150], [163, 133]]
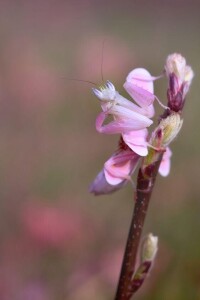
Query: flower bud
[[176, 64], [150, 247], [180, 77], [169, 127], [149, 250], [189, 74]]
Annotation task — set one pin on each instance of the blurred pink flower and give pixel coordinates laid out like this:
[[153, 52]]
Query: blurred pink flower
[[27, 79], [53, 226], [88, 279], [110, 265], [33, 291]]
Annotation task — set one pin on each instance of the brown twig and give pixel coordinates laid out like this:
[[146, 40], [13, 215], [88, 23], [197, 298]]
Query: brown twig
[[145, 183]]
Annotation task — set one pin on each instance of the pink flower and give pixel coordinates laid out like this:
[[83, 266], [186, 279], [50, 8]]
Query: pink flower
[[54, 227], [116, 173], [164, 168], [118, 169], [120, 166], [139, 85], [131, 121]]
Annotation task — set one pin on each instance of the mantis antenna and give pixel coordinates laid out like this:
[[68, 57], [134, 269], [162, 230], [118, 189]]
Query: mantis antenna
[[88, 81], [102, 53]]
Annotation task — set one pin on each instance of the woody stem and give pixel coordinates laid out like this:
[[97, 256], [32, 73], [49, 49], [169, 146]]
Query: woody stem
[[145, 183]]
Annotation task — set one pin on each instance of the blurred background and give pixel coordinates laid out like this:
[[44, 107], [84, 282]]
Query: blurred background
[[57, 241]]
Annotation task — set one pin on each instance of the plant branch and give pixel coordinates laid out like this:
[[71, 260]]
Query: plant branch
[[145, 183]]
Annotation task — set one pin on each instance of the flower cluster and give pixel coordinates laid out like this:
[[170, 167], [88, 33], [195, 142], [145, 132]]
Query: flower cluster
[[131, 120]]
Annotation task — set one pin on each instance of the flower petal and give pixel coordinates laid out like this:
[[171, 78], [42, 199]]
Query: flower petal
[[120, 166], [164, 168], [141, 96], [150, 111], [142, 78], [137, 141], [139, 85], [101, 187]]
